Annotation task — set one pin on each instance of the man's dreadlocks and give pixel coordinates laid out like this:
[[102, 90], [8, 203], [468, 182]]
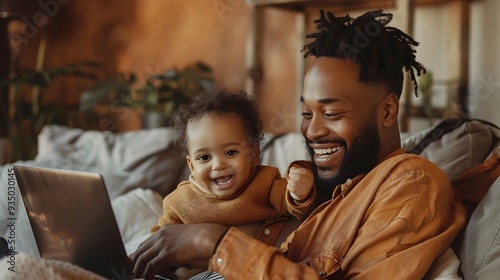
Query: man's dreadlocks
[[383, 52]]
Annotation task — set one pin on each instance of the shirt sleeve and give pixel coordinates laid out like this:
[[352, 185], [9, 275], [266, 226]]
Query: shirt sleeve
[[239, 256]]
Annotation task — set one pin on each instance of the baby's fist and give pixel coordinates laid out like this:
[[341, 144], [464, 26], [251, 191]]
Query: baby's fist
[[300, 182]]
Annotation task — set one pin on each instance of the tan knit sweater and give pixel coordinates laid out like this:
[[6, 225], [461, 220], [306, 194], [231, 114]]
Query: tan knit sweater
[[262, 198]]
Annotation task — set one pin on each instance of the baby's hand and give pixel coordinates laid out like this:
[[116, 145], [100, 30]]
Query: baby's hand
[[300, 182]]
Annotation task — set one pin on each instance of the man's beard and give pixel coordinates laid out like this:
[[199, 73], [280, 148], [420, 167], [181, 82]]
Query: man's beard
[[359, 159]]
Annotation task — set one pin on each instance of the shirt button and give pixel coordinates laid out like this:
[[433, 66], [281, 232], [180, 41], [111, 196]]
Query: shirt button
[[220, 262], [267, 231], [322, 274]]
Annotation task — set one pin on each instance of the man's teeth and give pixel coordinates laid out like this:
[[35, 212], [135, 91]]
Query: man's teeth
[[321, 152]]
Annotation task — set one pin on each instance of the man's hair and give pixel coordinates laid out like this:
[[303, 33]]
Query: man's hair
[[382, 52], [216, 102]]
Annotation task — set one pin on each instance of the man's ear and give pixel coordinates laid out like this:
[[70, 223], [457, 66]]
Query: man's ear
[[255, 157], [390, 109], [190, 164]]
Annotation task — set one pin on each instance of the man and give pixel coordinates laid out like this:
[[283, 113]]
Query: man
[[383, 213]]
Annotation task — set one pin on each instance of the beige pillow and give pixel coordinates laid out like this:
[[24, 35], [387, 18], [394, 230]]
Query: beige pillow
[[459, 150], [146, 158], [480, 252]]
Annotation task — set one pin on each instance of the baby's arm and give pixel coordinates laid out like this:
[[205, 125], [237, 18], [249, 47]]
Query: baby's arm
[[169, 215], [300, 182]]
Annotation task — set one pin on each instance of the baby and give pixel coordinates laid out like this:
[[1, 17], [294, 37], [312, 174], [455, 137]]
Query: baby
[[221, 132]]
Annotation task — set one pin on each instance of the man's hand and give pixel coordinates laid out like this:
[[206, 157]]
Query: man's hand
[[175, 245], [300, 182]]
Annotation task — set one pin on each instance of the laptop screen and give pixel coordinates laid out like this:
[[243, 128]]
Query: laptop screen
[[72, 219]]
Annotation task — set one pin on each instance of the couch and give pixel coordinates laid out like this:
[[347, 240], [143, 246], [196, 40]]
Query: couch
[[140, 167]]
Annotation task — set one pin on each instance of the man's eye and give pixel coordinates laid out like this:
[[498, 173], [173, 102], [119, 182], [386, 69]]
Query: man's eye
[[203, 157], [306, 115], [331, 116], [231, 153]]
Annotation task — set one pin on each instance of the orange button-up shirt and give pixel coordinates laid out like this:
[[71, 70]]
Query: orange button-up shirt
[[388, 224]]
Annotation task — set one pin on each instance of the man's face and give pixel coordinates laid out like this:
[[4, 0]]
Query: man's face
[[339, 121]]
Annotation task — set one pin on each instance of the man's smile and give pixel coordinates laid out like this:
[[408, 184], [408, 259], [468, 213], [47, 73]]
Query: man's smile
[[326, 151], [327, 156]]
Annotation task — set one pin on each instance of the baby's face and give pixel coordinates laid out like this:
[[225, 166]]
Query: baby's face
[[220, 158]]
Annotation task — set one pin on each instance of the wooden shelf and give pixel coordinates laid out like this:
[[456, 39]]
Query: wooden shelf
[[438, 2], [300, 5]]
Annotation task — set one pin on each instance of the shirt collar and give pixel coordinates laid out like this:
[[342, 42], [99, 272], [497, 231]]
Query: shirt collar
[[398, 151], [347, 186]]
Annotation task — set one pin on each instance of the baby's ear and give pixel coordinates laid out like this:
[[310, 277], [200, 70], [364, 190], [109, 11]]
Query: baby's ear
[[255, 156], [189, 163]]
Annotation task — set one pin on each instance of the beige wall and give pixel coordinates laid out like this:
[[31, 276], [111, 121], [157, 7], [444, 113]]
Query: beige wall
[[484, 75], [434, 31], [148, 36], [140, 36]]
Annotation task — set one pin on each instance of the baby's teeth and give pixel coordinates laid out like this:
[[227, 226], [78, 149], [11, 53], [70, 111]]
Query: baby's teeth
[[223, 180]]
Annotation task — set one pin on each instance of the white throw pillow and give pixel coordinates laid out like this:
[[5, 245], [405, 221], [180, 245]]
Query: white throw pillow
[[136, 212], [480, 252], [147, 158], [458, 150]]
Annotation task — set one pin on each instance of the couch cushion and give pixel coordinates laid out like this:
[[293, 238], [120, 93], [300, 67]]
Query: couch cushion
[[136, 212], [145, 158], [281, 150], [480, 252], [455, 145]]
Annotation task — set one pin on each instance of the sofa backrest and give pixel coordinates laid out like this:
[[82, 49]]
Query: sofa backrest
[[469, 153]]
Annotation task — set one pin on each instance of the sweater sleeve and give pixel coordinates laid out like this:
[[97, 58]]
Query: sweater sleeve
[[169, 215]]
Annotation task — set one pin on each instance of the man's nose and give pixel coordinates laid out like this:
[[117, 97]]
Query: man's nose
[[316, 128]]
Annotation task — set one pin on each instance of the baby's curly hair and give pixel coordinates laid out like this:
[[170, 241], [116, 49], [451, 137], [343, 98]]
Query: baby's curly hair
[[383, 52], [218, 101]]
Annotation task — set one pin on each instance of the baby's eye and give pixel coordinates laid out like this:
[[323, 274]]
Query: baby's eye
[[231, 153], [203, 157]]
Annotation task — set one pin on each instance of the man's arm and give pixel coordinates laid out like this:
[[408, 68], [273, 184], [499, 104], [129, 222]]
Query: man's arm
[[239, 256], [174, 245]]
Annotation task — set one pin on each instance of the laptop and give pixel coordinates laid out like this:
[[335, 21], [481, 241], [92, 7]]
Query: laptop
[[72, 220]]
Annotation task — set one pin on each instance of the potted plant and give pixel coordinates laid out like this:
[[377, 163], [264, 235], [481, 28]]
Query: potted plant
[[115, 91], [425, 82], [160, 96], [31, 113], [163, 93]]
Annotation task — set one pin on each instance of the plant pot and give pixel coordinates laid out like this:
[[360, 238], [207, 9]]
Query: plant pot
[[155, 120]]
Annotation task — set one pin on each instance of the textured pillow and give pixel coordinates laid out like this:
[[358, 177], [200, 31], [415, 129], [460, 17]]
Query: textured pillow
[[145, 158], [136, 212], [458, 150], [281, 150], [480, 253]]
